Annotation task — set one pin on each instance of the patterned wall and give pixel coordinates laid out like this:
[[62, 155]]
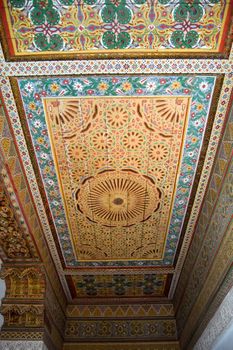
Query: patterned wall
[[210, 254]]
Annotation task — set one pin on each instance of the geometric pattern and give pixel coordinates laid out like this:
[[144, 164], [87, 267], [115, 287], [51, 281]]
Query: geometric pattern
[[119, 285], [124, 346], [34, 30], [22, 345], [33, 92], [14, 171], [117, 169], [216, 217], [221, 321], [212, 196], [145, 310], [41, 28], [120, 329]]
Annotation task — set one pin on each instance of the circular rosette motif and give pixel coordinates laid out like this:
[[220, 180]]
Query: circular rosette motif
[[117, 117], [158, 152], [118, 198], [102, 140], [132, 140], [134, 162], [158, 172], [76, 153], [102, 162]]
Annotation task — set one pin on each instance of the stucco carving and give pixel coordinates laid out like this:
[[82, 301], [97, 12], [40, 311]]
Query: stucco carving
[[222, 318], [22, 345]]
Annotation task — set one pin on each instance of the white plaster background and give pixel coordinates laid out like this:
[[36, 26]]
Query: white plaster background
[[218, 334]]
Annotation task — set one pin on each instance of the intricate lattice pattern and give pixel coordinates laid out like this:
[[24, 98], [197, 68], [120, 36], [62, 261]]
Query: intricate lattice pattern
[[119, 285], [117, 161]]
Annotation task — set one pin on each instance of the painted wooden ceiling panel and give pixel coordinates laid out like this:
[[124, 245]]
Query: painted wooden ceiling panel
[[118, 285], [114, 27], [117, 166], [112, 133]]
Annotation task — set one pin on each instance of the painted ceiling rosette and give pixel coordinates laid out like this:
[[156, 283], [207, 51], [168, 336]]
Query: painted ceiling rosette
[[117, 157]]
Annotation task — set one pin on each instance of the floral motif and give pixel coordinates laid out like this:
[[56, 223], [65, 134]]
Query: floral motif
[[76, 152], [150, 283], [102, 162], [161, 84], [158, 172], [119, 285], [158, 152], [134, 162], [116, 16], [117, 117], [102, 140], [118, 199], [137, 328], [60, 25], [133, 140]]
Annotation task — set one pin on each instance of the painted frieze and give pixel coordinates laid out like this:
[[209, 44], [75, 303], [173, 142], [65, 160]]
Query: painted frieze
[[95, 27]]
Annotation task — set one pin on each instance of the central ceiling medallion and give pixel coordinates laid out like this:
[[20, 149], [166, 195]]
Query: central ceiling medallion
[[118, 198]]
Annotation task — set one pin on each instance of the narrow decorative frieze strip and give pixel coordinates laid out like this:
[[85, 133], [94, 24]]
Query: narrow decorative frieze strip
[[222, 262], [10, 335], [114, 66], [120, 329], [123, 346], [108, 311], [125, 271]]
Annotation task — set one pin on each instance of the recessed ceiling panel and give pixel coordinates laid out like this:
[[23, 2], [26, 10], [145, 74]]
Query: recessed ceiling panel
[[118, 286], [117, 158], [95, 27]]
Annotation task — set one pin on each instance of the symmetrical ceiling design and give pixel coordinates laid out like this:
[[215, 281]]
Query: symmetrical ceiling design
[[103, 26], [119, 285], [117, 166], [106, 167], [122, 164]]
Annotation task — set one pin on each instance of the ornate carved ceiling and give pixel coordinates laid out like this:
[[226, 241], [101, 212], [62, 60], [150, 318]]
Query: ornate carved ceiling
[[105, 162]]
